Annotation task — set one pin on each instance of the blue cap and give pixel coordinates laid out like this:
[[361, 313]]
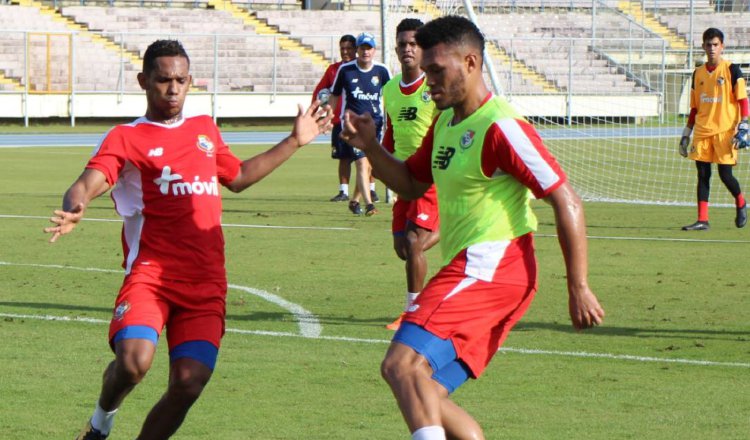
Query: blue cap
[[365, 38]]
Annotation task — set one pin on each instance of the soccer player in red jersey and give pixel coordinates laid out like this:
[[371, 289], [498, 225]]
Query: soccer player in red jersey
[[410, 112], [322, 92], [718, 121], [486, 161], [165, 170]]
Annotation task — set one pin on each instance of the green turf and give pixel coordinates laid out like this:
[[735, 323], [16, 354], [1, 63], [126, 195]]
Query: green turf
[[666, 298]]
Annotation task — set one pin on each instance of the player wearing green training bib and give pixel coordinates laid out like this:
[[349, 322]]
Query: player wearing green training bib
[[485, 161], [410, 111]]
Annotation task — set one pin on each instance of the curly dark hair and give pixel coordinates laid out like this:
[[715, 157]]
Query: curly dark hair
[[450, 29], [409, 24], [162, 48], [348, 38]]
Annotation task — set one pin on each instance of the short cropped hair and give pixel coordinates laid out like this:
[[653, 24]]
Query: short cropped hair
[[409, 24], [162, 48], [348, 38], [711, 33], [450, 29]]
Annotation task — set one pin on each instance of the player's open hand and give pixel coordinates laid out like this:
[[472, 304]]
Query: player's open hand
[[65, 221], [585, 310], [358, 130], [311, 122]]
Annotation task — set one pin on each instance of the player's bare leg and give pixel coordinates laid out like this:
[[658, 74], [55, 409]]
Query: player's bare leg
[[187, 378], [133, 358], [418, 241], [409, 375], [363, 184], [458, 424], [422, 401], [345, 171], [411, 247]]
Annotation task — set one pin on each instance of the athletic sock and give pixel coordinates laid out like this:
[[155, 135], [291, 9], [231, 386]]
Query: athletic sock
[[702, 211], [739, 201], [410, 297], [429, 433], [372, 186], [102, 420], [344, 188]]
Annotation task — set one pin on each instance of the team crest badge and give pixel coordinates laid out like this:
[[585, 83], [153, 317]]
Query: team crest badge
[[467, 139], [720, 81], [121, 310], [426, 96], [204, 144], [375, 80]]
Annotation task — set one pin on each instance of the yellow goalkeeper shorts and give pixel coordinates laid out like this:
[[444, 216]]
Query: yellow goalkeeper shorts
[[718, 148]]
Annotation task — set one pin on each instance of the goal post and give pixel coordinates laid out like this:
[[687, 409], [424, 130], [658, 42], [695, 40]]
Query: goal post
[[608, 95]]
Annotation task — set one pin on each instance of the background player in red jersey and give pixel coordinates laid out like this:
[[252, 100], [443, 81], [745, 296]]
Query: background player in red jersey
[[322, 92], [410, 112], [165, 169]]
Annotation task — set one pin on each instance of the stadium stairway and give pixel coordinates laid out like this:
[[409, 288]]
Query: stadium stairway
[[262, 28], [7, 82], [496, 52], [633, 9], [81, 29]]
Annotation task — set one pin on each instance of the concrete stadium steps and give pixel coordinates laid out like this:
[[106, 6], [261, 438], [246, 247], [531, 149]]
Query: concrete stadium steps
[[244, 57], [262, 28], [733, 24], [47, 60], [71, 25], [649, 21]]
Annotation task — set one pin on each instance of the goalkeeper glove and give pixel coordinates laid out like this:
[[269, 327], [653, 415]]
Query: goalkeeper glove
[[741, 138], [685, 141]]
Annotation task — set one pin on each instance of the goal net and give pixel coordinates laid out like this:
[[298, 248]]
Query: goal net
[[607, 89]]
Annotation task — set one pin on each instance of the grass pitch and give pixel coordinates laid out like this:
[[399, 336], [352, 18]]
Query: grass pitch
[[672, 360]]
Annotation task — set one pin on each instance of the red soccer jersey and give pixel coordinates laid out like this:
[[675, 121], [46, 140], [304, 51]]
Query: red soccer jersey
[[326, 82], [167, 191]]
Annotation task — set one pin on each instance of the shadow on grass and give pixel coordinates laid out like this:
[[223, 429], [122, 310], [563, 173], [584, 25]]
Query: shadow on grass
[[380, 322]]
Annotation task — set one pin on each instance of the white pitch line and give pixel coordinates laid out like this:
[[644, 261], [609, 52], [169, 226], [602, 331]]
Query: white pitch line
[[309, 325], [225, 225], [684, 240], [526, 351], [322, 228]]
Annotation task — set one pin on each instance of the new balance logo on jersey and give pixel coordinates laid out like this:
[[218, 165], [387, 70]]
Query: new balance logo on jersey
[[407, 114], [172, 183], [156, 152], [443, 157]]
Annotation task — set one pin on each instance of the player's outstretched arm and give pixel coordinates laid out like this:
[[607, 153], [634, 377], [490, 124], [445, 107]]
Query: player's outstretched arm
[[307, 125], [90, 185], [359, 131], [583, 305]]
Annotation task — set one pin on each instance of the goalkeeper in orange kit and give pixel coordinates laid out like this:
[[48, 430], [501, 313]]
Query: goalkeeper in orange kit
[[718, 120]]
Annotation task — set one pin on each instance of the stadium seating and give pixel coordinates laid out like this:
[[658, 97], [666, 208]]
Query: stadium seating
[[244, 60], [49, 48], [553, 44], [733, 24]]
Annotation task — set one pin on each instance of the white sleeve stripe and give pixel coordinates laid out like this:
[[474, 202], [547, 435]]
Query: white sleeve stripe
[[525, 149]]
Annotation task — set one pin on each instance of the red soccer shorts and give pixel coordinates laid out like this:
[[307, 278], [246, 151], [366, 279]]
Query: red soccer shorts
[[478, 297], [423, 212], [190, 311]]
